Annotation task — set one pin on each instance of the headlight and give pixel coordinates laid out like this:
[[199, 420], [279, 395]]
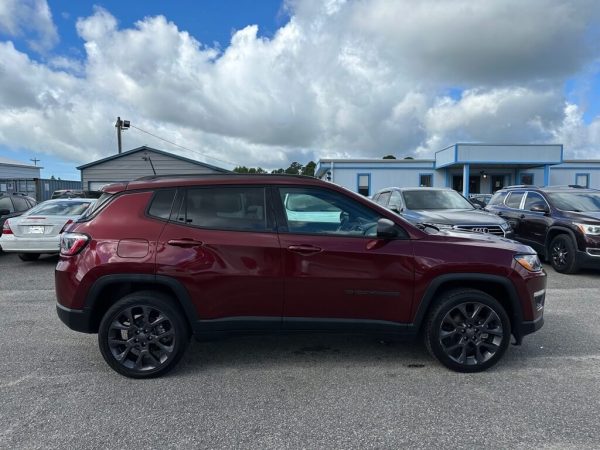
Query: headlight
[[530, 262], [588, 229]]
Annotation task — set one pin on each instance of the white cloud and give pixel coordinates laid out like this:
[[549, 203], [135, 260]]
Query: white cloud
[[25, 17], [355, 78]]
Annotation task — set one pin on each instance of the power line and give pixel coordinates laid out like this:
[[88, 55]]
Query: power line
[[181, 146]]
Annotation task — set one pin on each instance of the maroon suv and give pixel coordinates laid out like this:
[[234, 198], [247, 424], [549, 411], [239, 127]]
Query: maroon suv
[[159, 259]]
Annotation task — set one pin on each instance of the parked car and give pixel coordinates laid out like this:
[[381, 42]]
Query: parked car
[[13, 205], [561, 223], [69, 193], [442, 208], [160, 258], [37, 230], [480, 199]]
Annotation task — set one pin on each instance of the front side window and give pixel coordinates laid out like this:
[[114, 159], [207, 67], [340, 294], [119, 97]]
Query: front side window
[[227, 208], [320, 211], [532, 199], [384, 198]]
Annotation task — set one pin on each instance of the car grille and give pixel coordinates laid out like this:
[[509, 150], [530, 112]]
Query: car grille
[[485, 229]]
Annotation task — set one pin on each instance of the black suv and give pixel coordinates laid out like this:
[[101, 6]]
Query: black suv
[[562, 223], [14, 204]]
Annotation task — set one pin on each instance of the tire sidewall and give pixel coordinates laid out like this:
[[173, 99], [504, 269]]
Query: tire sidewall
[[448, 303], [571, 265], [155, 301]]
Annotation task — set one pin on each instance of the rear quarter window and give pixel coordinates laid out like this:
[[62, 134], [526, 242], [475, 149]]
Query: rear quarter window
[[161, 203]]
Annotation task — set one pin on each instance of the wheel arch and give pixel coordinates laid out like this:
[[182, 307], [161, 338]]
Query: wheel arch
[[497, 286], [107, 290], [555, 231]]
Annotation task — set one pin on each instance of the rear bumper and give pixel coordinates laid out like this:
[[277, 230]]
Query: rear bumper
[[75, 319], [29, 245]]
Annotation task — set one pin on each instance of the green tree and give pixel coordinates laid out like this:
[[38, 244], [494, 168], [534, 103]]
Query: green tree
[[389, 157], [294, 169], [309, 169]]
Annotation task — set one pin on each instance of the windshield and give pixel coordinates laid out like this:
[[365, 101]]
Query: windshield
[[575, 201], [428, 199], [65, 208]]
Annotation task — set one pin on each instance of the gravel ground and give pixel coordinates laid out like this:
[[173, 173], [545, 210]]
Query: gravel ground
[[316, 391]]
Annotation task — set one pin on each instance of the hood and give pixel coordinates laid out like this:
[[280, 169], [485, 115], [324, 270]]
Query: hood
[[483, 240], [585, 217], [453, 217]]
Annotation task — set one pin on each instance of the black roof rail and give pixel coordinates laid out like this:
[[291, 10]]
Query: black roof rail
[[520, 186], [232, 174]]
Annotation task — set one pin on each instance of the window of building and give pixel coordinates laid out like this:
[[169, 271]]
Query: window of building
[[235, 208], [426, 180], [364, 183], [514, 200], [582, 179], [527, 178]]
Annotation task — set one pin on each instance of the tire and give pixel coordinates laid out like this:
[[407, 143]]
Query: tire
[[130, 333], [467, 330], [29, 256], [563, 254]]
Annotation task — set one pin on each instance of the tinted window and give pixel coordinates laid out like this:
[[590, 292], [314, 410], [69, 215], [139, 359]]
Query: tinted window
[[532, 198], [384, 198], [320, 211], [431, 199], [571, 201], [514, 200], [238, 208], [497, 198], [20, 203], [426, 180], [60, 208], [5, 203], [161, 203]]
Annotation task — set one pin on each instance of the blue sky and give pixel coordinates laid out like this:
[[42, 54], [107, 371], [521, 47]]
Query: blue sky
[[312, 79]]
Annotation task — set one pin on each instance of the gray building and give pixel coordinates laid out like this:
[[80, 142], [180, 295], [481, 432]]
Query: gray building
[[137, 163], [467, 168], [17, 176]]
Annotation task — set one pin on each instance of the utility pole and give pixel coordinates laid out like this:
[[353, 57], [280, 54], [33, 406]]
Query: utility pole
[[121, 125], [35, 161]]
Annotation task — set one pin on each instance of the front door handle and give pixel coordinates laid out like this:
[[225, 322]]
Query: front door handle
[[185, 242], [305, 249]]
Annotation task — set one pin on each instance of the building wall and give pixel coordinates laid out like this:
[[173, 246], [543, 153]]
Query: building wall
[[566, 173], [132, 166], [8, 171]]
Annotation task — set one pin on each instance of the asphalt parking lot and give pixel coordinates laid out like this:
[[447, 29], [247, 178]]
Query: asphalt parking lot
[[315, 391]]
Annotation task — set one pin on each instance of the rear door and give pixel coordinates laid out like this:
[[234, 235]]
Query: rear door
[[335, 268], [512, 210], [221, 244], [533, 225]]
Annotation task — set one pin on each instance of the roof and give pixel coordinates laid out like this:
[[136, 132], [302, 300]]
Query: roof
[[12, 162], [161, 152], [374, 160]]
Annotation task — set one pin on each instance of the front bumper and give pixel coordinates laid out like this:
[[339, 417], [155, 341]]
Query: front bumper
[[528, 327], [76, 319], [588, 259]]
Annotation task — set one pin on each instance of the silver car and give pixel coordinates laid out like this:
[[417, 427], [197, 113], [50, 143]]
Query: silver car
[[38, 230]]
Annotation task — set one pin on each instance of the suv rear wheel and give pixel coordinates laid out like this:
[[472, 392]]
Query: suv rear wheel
[[468, 330], [143, 335], [562, 254]]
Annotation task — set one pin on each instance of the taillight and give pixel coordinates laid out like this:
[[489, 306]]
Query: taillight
[[72, 243], [69, 222], [6, 228]]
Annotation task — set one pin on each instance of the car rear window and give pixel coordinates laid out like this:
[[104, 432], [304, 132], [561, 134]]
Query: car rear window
[[161, 203], [60, 208]]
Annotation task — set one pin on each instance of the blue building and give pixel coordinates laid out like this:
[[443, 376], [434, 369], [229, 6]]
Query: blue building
[[467, 168]]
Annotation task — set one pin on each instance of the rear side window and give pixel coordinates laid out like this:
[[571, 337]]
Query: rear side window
[[497, 199], [161, 203], [227, 208], [514, 200], [102, 201], [5, 203]]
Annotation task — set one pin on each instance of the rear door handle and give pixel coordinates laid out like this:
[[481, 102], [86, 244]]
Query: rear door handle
[[185, 242], [305, 249]]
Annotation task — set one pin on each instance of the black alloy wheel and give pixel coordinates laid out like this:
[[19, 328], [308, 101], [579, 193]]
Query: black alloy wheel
[[562, 254], [143, 335], [468, 331]]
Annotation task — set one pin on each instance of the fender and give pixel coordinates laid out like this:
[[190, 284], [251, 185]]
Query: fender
[[181, 293], [513, 298], [562, 229]]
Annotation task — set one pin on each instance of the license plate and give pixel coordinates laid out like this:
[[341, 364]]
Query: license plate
[[36, 230]]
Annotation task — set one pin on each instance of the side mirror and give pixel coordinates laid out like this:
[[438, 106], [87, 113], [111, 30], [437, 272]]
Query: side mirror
[[539, 207], [386, 229], [4, 212]]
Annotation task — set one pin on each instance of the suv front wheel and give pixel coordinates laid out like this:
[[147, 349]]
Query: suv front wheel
[[562, 254], [468, 330], [143, 335]]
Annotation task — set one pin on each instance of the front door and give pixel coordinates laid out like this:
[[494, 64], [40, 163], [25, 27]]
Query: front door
[[335, 268], [533, 226]]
